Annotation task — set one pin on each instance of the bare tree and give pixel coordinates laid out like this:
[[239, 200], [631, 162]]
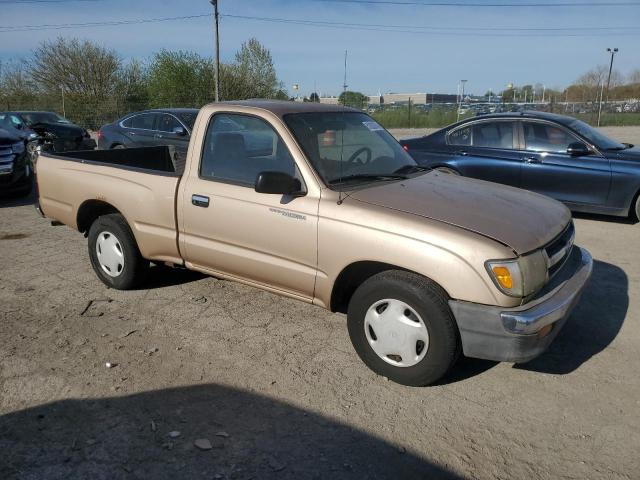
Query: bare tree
[[80, 67]]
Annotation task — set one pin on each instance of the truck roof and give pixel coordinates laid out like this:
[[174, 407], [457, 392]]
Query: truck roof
[[283, 107]]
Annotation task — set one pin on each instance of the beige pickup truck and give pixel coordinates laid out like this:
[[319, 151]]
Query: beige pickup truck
[[320, 203]]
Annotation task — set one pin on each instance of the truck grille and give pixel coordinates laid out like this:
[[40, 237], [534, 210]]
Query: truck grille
[[558, 250]]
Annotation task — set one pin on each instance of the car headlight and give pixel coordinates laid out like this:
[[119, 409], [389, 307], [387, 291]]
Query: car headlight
[[520, 277], [17, 147]]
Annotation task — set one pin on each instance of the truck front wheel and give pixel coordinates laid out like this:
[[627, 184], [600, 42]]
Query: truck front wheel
[[401, 326], [114, 253]]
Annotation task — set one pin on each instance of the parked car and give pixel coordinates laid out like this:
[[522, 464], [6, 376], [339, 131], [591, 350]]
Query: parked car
[[16, 175], [58, 134], [555, 155], [148, 128], [334, 213], [14, 124]]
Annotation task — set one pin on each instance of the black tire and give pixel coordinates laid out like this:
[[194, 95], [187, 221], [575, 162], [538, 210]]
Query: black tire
[[117, 146], [134, 266], [429, 301], [638, 207]]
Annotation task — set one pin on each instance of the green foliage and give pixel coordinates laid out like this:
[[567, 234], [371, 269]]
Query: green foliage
[[353, 99], [179, 79]]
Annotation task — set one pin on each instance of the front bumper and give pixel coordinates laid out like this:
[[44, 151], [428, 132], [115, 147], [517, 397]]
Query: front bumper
[[520, 334]]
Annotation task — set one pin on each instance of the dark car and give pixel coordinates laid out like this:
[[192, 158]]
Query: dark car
[[16, 175], [150, 128], [558, 156], [13, 124], [57, 133]]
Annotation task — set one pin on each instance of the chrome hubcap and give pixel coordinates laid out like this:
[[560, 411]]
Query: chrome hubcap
[[396, 332], [110, 254]]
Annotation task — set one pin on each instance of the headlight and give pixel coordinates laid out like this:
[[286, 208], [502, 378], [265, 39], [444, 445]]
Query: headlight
[[17, 147], [519, 277], [33, 136]]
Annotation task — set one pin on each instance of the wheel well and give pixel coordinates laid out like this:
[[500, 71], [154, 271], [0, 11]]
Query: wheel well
[[632, 208], [351, 277], [89, 211]]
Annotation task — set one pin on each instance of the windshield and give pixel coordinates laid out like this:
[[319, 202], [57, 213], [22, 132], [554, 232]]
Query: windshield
[[594, 136], [348, 146], [43, 117], [188, 118]]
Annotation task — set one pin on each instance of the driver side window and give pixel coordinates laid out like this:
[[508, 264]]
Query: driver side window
[[239, 147], [546, 137]]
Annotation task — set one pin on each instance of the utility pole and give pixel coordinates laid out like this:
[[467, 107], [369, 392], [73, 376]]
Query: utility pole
[[461, 99], [215, 15], [613, 52], [344, 83], [64, 111]]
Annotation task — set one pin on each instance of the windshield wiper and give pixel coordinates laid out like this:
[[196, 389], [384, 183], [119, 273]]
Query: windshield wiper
[[411, 169], [367, 176]]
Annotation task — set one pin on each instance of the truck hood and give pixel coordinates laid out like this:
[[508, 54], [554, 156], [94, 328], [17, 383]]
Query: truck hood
[[520, 219]]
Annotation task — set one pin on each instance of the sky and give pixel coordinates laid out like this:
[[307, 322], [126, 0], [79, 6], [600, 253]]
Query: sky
[[412, 48]]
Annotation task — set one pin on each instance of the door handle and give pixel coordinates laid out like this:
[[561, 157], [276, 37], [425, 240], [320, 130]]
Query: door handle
[[200, 201], [532, 160], [463, 153], [157, 135]]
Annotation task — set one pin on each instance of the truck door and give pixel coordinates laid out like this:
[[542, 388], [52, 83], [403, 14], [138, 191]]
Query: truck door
[[229, 228]]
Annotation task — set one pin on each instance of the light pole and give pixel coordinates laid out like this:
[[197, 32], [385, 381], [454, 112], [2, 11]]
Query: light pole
[[461, 99], [215, 15], [613, 52]]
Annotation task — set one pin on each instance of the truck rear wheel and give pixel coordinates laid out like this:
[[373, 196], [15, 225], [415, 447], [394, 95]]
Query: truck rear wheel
[[402, 328], [114, 253]]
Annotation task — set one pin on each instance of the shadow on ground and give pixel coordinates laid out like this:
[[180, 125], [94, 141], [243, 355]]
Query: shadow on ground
[[160, 276], [114, 438], [16, 201], [593, 325]]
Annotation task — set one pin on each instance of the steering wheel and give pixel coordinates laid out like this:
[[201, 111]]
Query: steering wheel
[[357, 153]]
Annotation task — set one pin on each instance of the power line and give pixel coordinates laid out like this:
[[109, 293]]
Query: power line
[[423, 27], [493, 5], [443, 30], [61, 26], [376, 27]]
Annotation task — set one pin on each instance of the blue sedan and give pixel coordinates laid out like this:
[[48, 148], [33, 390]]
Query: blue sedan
[[554, 155]]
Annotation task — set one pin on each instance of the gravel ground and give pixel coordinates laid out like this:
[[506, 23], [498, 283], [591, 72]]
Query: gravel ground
[[276, 388]]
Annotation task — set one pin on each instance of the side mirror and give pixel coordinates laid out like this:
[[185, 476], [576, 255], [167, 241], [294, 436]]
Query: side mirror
[[278, 183], [179, 131], [578, 149]]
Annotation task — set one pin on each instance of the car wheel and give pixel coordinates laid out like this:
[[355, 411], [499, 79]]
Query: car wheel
[[114, 253], [447, 170], [638, 208], [401, 326], [117, 147]]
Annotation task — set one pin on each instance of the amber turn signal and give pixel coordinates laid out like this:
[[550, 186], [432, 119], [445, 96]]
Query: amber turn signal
[[503, 275]]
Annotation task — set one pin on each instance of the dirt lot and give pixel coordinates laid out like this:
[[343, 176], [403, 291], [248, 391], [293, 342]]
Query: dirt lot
[[276, 388]]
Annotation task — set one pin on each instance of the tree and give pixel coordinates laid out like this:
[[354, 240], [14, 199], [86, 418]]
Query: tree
[[634, 77], [314, 97], [83, 68], [16, 86], [180, 79], [353, 99], [255, 71]]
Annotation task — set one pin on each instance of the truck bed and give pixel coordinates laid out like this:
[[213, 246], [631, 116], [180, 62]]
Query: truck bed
[[139, 183], [158, 159]]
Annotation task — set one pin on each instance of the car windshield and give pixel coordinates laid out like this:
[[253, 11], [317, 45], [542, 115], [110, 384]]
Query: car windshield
[[349, 147], [594, 136], [43, 117], [188, 118]]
